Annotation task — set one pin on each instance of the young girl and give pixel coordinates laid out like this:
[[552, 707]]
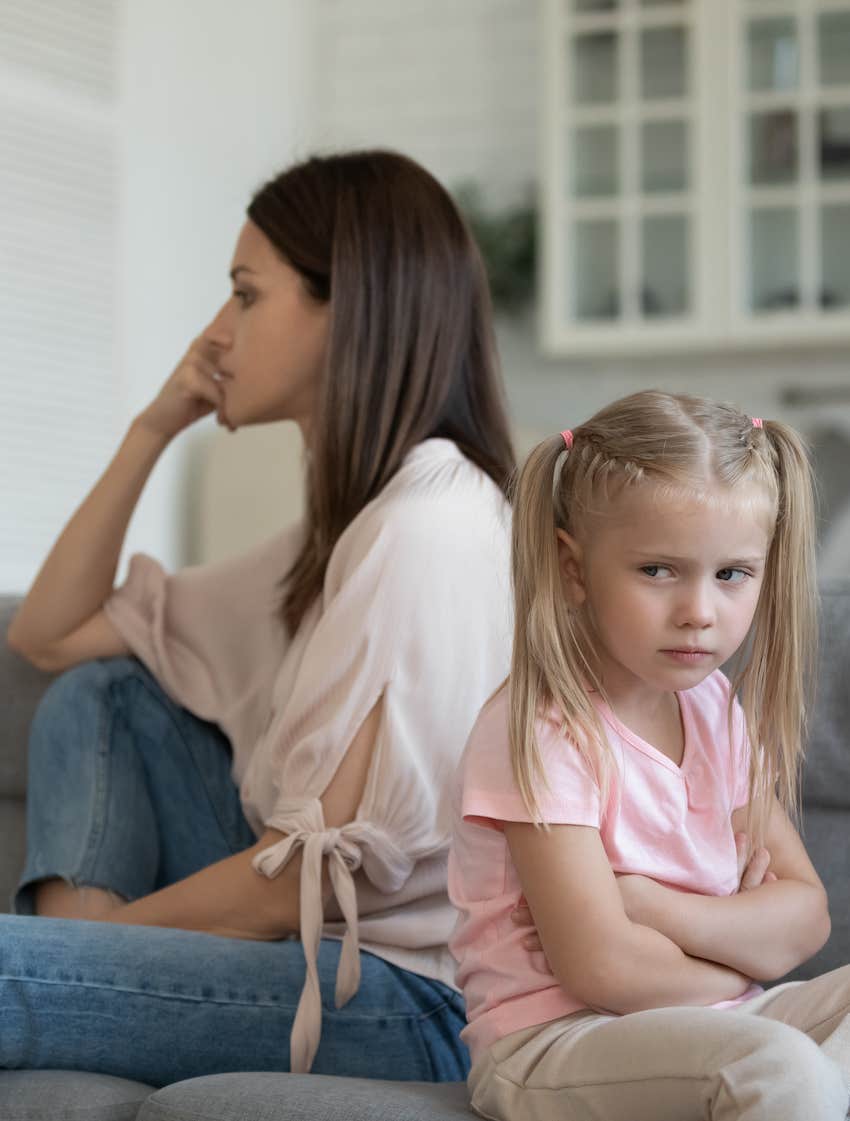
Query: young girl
[[607, 780]]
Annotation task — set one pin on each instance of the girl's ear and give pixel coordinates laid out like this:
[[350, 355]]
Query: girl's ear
[[572, 570]]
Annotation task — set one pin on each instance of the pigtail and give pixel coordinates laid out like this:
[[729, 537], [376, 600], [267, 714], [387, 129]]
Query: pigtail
[[548, 665], [776, 682]]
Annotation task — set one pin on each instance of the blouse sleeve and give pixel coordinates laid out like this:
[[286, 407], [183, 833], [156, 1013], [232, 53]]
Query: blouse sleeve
[[416, 612], [211, 635]]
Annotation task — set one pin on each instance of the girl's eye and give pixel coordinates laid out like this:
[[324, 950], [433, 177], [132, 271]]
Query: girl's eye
[[243, 297], [732, 575], [655, 570]]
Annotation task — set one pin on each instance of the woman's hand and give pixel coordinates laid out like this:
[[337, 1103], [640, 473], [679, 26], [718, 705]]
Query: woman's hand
[[193, 391], [636, 891]]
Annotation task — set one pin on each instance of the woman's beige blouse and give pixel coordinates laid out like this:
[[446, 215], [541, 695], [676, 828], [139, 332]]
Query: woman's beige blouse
[[415, 609]]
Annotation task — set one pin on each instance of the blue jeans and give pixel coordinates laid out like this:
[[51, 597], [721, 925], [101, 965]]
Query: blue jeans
[[130, 792]]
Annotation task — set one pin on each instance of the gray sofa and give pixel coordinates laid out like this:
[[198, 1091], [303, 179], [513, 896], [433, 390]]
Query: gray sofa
[[67, 1095]]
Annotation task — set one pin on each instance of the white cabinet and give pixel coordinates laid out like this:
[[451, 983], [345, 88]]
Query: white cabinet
[[696, 174]]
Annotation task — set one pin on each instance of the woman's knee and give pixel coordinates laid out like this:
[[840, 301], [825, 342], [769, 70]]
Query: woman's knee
[[72, 707]]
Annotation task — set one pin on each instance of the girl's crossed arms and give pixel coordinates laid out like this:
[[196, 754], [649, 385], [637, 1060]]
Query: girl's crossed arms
[[627, 943]]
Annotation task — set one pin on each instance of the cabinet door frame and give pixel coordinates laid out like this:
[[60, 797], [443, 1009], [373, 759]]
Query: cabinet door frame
[[717, 199]]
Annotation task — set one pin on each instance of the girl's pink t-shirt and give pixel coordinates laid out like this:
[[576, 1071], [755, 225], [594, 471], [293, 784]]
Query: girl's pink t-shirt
[[671, 823]]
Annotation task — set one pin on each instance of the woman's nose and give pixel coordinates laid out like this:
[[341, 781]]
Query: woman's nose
[[218, 331]]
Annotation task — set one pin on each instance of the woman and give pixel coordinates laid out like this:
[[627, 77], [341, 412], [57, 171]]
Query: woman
[[281, 744]]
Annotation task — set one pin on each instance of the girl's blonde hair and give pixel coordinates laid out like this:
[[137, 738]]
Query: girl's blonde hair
[[688, 446]]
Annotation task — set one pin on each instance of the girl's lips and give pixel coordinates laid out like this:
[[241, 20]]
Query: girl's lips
[[689, 657]]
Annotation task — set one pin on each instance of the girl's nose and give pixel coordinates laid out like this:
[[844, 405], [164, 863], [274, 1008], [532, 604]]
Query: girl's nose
[[696, 609]]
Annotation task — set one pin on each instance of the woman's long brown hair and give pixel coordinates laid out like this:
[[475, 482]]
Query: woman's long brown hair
[[411, 352]]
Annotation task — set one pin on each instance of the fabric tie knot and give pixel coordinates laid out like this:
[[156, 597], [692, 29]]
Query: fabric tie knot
[[303, 822]]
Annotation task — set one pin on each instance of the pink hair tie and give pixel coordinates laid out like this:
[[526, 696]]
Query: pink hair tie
[[567, 436], [758, 422]]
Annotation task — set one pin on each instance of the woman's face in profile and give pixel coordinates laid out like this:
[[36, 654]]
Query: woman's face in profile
[[269, 337]]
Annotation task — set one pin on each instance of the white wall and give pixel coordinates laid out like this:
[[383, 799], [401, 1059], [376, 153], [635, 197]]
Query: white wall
[[217, 96], [58, 226], [453, 84], [132, 134]]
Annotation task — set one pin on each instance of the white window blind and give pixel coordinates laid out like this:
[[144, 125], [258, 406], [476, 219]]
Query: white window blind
[[59, 234]]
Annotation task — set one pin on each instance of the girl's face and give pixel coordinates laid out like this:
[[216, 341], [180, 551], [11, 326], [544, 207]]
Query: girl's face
[[670, 585], [269, 338]]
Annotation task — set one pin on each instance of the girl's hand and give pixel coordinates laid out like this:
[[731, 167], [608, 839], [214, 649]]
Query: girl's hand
[[193, 391], [753, 872]]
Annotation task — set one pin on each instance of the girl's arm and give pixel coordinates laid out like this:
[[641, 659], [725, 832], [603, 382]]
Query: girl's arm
[[600, 955], [61, 621], [764, 932], [232, 899]]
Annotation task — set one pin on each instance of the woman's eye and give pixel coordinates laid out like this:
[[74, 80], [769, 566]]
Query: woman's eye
[[654, 570], [732, 575], [242, 297]]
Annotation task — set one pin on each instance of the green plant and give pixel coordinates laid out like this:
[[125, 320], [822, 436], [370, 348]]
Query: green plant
[[507, 239]]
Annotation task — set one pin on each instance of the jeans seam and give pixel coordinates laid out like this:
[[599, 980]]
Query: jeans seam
[[192, 998], [422, 1016], [99, 805]]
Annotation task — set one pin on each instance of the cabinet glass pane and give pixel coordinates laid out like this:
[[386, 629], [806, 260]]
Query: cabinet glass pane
[[664, 156], [595, 76], [663, 62], [596, 5], [774, 256], [662, 3], [834, 48], [595, 169], [665, 265], [773, 147], [834, 127], [773, 54], [835, 254], [595, 269]]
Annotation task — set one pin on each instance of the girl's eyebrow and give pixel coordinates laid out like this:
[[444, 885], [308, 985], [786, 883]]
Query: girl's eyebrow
[[645, 554]]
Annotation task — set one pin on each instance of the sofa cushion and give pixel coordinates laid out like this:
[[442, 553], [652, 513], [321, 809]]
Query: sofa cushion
[[67, 1095], [825, 834], [21, 687], [12, 834], [305, 1097]]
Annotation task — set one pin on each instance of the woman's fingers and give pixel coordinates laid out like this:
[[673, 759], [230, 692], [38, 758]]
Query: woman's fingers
[[201, 381], [192, 391]]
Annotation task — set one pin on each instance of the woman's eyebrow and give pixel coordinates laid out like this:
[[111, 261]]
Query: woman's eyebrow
[[234, 272]]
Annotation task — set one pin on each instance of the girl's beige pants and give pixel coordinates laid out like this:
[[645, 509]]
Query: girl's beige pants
[[781, 1056]]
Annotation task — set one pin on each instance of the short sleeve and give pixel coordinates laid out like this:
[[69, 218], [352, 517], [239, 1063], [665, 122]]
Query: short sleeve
[[211, 635], [568, 795]]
